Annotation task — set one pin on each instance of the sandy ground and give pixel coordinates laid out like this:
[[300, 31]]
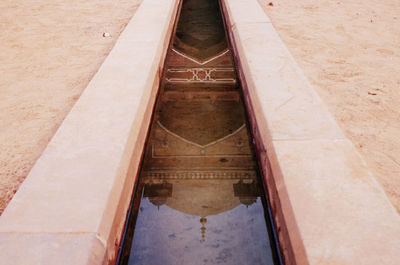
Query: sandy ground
[[49, 50], [350, 51]]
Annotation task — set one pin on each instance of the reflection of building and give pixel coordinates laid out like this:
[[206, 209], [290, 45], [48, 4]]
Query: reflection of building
[[200, 197], [200, 164], [189, 169], [199, 159], [247, 192], [158, 193]]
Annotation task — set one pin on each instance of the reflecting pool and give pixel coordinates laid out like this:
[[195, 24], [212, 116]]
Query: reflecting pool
[[199, 199]]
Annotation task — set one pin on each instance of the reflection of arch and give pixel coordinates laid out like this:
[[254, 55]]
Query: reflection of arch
[[201, 62], [202, 122], [203, 53], [199, 145], [200, 31]]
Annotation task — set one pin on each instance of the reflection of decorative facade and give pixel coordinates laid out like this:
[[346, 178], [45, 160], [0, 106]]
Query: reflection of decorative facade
[[198, 197], [199, 159]]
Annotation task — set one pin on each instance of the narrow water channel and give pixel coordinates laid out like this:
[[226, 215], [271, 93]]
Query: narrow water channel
[[199, 199]]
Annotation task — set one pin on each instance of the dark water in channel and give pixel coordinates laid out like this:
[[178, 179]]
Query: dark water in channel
[[199, 198]]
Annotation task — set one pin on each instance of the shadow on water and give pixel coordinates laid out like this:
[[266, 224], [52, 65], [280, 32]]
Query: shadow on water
[[199, 199]]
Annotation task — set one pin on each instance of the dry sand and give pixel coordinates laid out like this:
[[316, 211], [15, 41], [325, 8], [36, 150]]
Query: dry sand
[[49, 51], [350, 52]]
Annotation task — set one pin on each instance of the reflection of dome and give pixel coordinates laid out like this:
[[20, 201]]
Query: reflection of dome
[[158, 193], [203, 197], [248, 200], [158, 201], [247, 192]]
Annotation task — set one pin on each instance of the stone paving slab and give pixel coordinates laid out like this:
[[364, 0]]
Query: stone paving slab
[[78, 192], [60, 249], [289, 108], [327, 205], [343, 215]]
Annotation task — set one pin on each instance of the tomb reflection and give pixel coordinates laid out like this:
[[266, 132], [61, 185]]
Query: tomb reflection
[[199, 197]]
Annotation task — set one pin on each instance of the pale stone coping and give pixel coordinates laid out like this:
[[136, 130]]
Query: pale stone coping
[[327, 205], [72, 206]]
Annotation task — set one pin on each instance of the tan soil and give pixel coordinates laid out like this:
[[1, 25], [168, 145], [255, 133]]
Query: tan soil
[[350, 51], [49, 51]]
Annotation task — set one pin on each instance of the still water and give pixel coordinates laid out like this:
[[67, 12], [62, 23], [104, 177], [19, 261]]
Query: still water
[[199, 198]]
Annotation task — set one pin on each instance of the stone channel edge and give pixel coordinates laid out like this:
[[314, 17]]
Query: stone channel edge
[[327, 206]]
